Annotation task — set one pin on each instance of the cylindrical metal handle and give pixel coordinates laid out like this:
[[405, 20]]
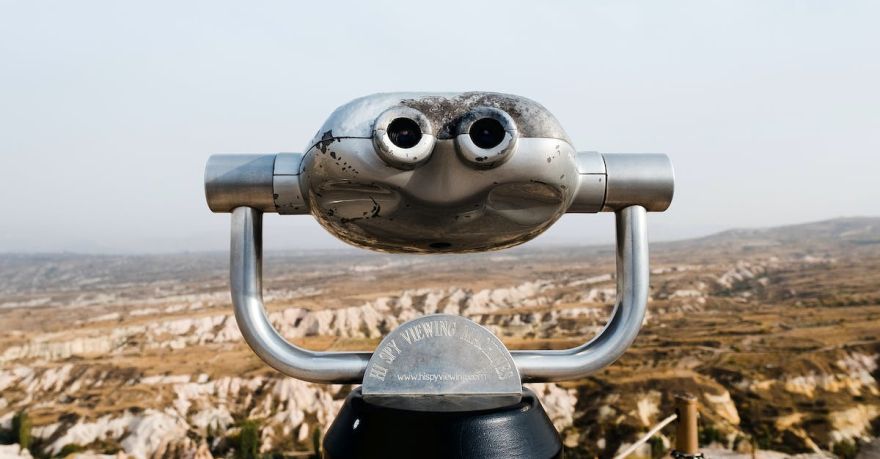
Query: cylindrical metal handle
[[266, 182], [606, 182], [239, 180], [646, 180]]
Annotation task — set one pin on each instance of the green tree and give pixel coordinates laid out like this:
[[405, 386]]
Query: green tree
[[69, 449], [21, 429], [316, 443], [658, 450], [845, 449], [249, 440]]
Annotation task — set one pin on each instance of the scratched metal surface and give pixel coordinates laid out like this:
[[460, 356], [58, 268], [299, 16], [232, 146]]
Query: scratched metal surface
[[446, 204], [444, 110], [442, 362]]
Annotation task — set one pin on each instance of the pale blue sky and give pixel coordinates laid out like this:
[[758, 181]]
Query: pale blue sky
[[108, 110]]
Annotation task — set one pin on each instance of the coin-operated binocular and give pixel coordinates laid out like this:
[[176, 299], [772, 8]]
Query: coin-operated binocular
[[440, 173]]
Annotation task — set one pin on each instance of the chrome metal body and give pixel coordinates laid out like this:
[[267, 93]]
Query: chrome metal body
[[453, 197], [442, 206], [450, 202]]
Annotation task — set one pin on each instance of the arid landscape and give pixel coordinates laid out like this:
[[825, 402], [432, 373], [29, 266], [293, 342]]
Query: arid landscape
[[777, 331]]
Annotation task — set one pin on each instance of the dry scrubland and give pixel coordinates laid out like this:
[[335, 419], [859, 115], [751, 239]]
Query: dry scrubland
[[775, 330]]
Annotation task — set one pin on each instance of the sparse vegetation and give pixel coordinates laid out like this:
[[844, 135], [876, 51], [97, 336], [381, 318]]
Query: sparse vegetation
[[658, 449], [845, 449], [316, 443], [787, 329], [69, 449], [248, 445], [709, 435], [21, 429]]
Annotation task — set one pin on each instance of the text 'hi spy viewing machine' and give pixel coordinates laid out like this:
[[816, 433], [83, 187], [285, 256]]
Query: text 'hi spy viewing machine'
[[440, 173]]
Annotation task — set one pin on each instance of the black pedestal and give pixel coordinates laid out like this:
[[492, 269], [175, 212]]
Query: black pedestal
[[362, 430]]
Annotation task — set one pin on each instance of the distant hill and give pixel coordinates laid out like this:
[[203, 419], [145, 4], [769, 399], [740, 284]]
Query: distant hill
[[70, 271], [838, 233], [857, 230]]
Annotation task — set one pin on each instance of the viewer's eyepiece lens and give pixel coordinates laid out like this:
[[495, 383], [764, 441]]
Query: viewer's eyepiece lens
[[487, 133], [404, 132]]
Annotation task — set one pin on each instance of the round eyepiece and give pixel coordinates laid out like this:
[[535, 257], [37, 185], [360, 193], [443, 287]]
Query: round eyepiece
[[404, 132], [403, 137], [487, 133], [486, 137]]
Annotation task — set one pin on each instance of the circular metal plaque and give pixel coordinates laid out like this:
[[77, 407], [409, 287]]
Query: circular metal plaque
[[442, 362]]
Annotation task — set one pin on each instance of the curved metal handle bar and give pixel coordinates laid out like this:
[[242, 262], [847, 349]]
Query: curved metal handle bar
[[246, 280], [348, 367], [625, 322]]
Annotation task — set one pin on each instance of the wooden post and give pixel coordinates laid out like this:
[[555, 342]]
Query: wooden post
[[686, 443]]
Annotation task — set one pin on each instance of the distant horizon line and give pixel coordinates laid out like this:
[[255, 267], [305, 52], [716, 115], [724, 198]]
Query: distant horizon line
[[358, 250]]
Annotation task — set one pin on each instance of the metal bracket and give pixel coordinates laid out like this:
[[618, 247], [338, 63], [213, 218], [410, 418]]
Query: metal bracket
[[349, 367], [246, 281], [626, 319]]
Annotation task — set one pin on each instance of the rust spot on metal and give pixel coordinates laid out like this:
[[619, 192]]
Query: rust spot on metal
[[326, 139], [445, 113], [376, 207]]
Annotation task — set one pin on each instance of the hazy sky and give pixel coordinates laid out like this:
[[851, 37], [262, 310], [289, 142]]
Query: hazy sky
[[770, 110]]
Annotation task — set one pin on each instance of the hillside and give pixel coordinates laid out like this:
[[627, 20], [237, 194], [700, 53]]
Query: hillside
[[776, 330]]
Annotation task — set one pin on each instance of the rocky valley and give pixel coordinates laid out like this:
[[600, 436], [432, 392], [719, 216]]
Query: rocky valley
[[776, 331]]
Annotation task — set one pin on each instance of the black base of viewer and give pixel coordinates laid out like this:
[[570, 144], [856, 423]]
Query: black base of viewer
[[362, 430]]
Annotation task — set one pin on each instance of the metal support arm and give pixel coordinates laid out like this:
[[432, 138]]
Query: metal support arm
[[626, 319], [246, 279], [349, 367]]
